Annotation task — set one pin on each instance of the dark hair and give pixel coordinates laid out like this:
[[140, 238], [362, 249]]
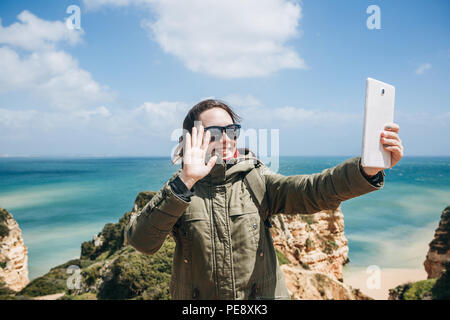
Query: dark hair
[[194, 114]]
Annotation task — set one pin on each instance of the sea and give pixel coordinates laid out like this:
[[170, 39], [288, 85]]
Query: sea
[[60, 202]]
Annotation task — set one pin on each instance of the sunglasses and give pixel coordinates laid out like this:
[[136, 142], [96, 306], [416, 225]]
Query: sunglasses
[[232, 131]]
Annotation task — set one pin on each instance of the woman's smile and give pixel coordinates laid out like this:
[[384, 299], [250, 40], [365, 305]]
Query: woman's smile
[[224, 152]]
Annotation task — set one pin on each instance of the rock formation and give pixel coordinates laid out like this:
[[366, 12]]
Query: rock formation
[[437, 265], [13, 254], [439, 251], [311, 285], [314, 247], [314, 241]]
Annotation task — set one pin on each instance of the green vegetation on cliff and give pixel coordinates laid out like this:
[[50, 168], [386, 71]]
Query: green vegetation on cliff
[[441, 289], [110, 270], [111, 238], [430, 289], [55, 281], [139, 276], [281, 257], [4, 230]]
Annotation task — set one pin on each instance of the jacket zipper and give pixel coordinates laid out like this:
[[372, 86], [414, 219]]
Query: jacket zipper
[[227, 218], [213, 237]]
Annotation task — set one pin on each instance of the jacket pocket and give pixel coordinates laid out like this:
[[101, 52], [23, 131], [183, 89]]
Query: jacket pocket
[[191, 215], [196, 240], [245, 223], [195, 224]]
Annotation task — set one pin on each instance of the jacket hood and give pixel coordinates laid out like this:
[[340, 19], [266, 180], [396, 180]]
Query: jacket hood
[[224, 171]]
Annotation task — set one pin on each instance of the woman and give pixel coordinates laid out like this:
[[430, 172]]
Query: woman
[[224, 248]]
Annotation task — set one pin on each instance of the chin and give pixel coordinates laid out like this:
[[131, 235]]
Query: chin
[[229, 154]]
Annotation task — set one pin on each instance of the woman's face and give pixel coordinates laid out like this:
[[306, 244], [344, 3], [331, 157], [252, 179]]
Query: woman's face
[[224, 147]]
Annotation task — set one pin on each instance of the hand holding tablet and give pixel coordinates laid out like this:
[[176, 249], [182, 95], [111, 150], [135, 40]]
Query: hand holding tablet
[[381, 147]]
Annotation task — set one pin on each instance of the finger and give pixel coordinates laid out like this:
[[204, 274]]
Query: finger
[[390, 135], [212, 162], [391, 126], [390, 142], [395, 150], [200, 136], [393, 147], [206, 140], [194, 137], [210, 148], [188, 142]]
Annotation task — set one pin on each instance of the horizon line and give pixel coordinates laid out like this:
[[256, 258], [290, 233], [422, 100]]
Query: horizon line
[[6, 156]]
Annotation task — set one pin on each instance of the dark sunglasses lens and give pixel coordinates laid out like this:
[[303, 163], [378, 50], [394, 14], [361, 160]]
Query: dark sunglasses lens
[[215, 134], [233, 132]]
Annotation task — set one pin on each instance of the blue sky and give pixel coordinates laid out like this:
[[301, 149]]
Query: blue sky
[[122, 85]]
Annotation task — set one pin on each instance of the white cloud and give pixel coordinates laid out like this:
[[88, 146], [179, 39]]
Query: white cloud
[[15, 119], [148, 119], [225, 39], [53, 77], [45, 121], [422, 68], [144, 130], [293, 114], [256, 114], [148, 128], [33, 33], [423, 118], [41, 69], [160, 118], [88, 114], [242, 100]]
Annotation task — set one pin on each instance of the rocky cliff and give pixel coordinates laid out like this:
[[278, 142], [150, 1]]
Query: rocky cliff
[[311, 250], [437, 265], [439, 251], [13, 254], [312, 285], [314, 241]]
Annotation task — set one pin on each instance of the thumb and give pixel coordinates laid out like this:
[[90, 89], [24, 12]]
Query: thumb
[[211, 162]]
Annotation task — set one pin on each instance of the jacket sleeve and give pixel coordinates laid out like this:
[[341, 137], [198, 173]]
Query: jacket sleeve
[[319, 191], [149, 227], [181, 190], [376, 179]]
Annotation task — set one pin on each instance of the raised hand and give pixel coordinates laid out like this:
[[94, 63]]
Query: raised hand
[[194, 154]]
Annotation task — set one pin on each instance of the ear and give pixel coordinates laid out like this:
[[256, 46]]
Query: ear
[[178, 153]]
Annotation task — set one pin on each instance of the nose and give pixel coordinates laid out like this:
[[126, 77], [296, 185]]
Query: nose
[[224, 137]]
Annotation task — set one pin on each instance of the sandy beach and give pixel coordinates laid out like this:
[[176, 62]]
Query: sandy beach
[[376, 282]]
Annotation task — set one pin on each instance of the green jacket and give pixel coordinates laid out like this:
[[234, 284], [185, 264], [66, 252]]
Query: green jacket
[[224, 248]]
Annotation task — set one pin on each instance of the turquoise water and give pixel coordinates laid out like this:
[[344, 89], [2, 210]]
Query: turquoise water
[[60, 203]]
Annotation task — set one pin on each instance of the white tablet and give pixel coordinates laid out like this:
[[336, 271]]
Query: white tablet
[[379, 110]]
